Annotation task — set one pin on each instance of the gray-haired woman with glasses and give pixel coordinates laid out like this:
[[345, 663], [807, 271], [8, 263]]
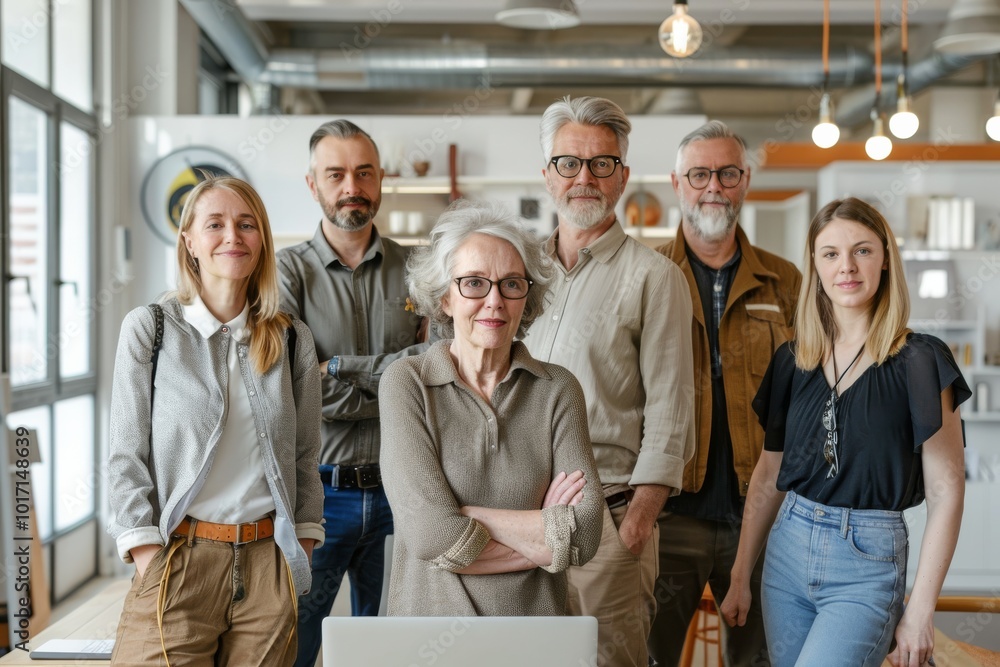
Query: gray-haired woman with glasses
[[486, 455], [862, 422]]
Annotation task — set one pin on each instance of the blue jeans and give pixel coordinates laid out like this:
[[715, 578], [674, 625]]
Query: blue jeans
[[357, 523], [833, 584]]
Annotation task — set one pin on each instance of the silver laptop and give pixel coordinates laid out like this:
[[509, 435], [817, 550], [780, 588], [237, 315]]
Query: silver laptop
[[485, 641]]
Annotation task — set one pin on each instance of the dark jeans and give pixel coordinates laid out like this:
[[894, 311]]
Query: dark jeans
[[357, 523], [693, 552]]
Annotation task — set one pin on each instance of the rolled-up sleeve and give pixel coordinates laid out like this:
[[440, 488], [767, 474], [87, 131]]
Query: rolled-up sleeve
[[667, 367], [425, 513], [573, 533]]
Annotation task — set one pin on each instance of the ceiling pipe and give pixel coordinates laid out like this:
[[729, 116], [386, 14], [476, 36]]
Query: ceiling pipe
[[854, 108], [468, 65], [232, 33]]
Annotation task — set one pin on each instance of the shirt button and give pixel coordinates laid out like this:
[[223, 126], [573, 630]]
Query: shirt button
[[489, 419], [568, 278], [262, 434], [586, 251], [225, 329], [252, 392], [555, 317]]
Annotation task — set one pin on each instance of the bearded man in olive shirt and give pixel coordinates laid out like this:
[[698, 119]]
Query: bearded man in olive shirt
[[619, 319], [348, 285]]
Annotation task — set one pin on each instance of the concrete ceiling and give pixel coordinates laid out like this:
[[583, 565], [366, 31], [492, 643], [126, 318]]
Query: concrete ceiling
[[776, 26]]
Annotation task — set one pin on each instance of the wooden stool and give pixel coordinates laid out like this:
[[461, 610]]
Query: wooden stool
[[704, 628]]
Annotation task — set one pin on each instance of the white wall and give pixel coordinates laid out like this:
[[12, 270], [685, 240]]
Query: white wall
[[273, 151]]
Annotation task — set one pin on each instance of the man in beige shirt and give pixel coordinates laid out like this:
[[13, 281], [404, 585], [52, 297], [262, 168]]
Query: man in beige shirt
[[619, 319]]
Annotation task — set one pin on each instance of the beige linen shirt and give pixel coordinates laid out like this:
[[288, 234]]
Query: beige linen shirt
[[620, 320]]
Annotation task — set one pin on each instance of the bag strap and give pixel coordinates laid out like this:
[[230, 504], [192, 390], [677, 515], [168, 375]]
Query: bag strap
[[157, 311]]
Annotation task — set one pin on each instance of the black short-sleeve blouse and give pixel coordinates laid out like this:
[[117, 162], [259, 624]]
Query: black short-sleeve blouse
[[883, 420]]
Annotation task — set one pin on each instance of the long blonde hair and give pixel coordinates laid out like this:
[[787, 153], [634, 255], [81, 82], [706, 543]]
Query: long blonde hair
[[815, 326], [266, 322]]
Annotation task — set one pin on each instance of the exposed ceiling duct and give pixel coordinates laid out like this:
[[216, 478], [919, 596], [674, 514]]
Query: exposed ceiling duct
[[465, 64], [469, 65]]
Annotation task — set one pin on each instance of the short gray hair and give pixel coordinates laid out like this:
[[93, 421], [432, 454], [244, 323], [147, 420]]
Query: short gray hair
[[713, 129], [341, 129], [429, 268], [584, 111]]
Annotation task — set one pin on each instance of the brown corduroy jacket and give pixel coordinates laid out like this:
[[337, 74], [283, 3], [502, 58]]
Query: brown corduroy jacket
[[759, 317]]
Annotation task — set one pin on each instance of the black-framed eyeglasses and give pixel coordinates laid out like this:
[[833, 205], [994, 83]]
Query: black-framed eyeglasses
[[477, 287], [830, 446], [601, 166], [700, 177]]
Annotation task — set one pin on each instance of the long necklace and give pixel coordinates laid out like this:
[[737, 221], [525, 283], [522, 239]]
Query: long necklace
[[829, 420]]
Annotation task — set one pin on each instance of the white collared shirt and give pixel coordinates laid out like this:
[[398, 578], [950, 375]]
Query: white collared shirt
[[235, 489]]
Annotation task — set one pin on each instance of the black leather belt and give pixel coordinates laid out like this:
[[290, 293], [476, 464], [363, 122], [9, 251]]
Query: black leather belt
[[352, 477], [619, 499]]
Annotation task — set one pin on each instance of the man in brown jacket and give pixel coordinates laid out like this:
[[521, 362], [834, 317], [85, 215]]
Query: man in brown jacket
[[744, 301]]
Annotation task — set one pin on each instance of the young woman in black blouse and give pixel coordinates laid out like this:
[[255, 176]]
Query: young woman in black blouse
[[862, 421]]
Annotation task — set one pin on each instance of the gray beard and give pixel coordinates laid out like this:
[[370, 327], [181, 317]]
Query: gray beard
[[711, 227], [583, 215], [352, 220]]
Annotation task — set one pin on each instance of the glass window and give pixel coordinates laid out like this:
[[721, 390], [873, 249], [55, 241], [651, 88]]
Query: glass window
[[75, 256], [41, 482], [26, 38], [28, 295], [73, 52], [74, 460]]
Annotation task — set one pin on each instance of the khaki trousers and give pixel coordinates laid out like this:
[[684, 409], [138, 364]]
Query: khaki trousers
[[220, 607], [616, 587]]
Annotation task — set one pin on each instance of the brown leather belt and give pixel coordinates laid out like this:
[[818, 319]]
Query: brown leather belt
[[234, 533]]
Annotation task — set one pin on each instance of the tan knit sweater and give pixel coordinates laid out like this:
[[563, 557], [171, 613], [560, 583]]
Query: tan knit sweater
[[443, 447]]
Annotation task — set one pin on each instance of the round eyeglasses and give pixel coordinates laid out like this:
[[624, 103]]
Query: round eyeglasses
[[477, 287], [601, 166], [729, 177]]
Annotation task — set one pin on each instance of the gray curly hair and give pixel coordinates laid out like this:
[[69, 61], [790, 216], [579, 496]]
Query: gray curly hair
[[429, 268]]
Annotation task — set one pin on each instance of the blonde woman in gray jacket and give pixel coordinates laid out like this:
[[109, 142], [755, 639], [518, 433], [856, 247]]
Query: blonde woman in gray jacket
[[215, 432]]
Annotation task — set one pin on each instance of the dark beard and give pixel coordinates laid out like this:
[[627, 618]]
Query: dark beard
[[354, 219]]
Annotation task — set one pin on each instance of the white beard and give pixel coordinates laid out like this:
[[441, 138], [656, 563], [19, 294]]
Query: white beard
[[711, 225], [584, 215]]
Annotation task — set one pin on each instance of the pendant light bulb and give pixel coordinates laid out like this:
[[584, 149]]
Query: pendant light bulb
[[680, 35], [878, 145], [993, 124], [904, 123], [826, 133]]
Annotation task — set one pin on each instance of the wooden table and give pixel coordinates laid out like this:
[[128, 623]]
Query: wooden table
[[96, 618]]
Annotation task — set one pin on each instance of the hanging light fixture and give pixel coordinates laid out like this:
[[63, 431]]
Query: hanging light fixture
[[993, 124], [878, 145], [680, 35], [826, 133], [972, 28], [904, 122], [539, 14]]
